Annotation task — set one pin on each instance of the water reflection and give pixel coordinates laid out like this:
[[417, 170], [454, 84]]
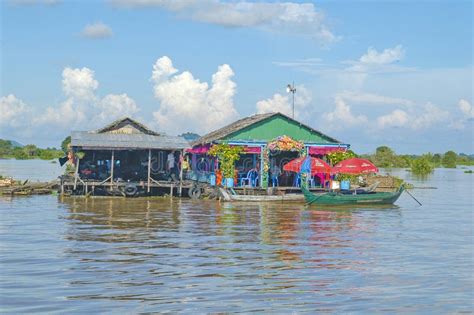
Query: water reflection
[[160, 255], [185, 247]]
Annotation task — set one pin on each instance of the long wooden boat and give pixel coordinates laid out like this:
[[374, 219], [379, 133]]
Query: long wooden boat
[[337, 198], [226, 196]]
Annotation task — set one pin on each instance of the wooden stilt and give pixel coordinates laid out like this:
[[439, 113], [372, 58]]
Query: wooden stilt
[[171, 190], [112, 162], [180, 191], [76, 173], [149, 170]]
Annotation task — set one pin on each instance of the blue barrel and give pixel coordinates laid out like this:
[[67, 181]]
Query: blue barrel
[[229, 182], [345, 185], [212, 180]]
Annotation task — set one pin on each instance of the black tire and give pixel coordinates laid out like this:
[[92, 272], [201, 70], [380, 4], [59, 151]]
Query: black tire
[[194, 192], [130, 190]]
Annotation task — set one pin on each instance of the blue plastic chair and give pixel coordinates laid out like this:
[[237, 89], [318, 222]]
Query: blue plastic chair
[[251, 179]]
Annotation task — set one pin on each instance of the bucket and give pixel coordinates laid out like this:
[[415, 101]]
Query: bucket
[[212, 180], [345, 184], [229, 182]]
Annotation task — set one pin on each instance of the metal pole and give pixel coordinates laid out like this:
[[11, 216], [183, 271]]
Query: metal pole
[[149, 170], [293, 90]]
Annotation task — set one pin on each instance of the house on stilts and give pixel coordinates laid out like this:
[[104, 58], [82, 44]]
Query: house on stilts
[[268, 140], [124, 158]]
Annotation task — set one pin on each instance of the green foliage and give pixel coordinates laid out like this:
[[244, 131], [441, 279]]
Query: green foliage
[[422, 166], [449, 159], [384, 157], [227, 156], [65, 144], [436, 160], [337, 157], [30, 151]]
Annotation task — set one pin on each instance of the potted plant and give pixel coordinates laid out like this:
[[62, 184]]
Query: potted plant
[[227, 156]]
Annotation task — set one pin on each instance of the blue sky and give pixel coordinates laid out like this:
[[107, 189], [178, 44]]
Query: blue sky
[[368, 73]]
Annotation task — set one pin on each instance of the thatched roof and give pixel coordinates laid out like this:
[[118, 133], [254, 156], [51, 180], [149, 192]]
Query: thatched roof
[[246, 122], [127, 121]]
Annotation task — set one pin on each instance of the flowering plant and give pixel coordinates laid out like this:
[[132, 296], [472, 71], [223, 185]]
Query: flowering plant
[[285, 143]]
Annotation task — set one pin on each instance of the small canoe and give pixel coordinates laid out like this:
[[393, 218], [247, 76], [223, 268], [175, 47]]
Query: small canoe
[[337, 198]]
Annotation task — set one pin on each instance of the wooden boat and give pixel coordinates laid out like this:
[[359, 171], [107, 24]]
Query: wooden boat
[[338, 198], [228, 196]]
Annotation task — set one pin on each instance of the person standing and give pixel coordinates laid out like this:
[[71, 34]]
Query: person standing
[[170, 164]]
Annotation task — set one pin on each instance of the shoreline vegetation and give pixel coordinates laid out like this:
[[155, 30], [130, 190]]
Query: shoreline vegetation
[[383, 157]]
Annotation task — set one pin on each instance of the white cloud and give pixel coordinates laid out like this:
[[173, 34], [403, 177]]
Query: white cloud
[[82, 108], [284, 103], [289, 17], [342, 116], [397, 118], [466, 108], [79, 83], [416, 119], [97, 30], [430, 116], [114, 106], [387, 56], [187, 104], [370, 98], [13, 112]]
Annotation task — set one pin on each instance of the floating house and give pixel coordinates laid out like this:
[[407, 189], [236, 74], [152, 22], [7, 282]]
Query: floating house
[[268, 140], [125, 157]]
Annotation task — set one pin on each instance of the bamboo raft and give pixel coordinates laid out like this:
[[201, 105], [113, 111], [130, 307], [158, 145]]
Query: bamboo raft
[[26, 188]]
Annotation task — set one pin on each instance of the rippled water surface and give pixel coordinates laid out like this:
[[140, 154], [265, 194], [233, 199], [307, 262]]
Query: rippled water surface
[[71, 255]]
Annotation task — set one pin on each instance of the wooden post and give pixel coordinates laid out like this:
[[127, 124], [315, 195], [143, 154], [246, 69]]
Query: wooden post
[[181, 159], [171, 190], [261, 166], [76, 173], [149, 169], [112, 162]]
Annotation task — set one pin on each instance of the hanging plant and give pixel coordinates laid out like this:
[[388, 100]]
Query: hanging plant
[[338, 156], [227, 156]]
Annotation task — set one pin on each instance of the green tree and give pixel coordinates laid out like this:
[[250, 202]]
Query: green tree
[[6, 148], [65, 144], [436, 159], [384, 157], [336, 157], [449, 159], [422, 165], [30, 150]]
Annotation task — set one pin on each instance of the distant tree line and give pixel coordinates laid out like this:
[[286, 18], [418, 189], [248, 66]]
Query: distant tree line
[[385, 157], [10, 151]]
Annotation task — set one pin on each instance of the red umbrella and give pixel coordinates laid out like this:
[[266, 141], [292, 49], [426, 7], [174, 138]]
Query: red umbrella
[[355, 166], [317, 165]]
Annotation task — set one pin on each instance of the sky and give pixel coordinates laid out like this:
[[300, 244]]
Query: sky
[[368, 73]]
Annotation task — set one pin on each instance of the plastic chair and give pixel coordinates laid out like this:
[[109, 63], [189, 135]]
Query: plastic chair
[[251, 178]]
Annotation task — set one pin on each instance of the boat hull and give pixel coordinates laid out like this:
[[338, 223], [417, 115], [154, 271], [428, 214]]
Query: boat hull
[[333, 198]]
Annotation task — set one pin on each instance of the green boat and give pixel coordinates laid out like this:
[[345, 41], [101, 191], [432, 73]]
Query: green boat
[[339, 198]]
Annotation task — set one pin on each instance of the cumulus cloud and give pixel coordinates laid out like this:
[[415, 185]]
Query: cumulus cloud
[[431, 115], [342, 116], [466, 108], [188, 104], [284, 103], [290, 17], [79, 83], [97, 30], [116, 105], [14, 112], [397, 118], [82, 108]]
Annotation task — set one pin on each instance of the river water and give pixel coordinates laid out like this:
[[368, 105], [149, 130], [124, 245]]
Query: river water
[[105, 255]]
